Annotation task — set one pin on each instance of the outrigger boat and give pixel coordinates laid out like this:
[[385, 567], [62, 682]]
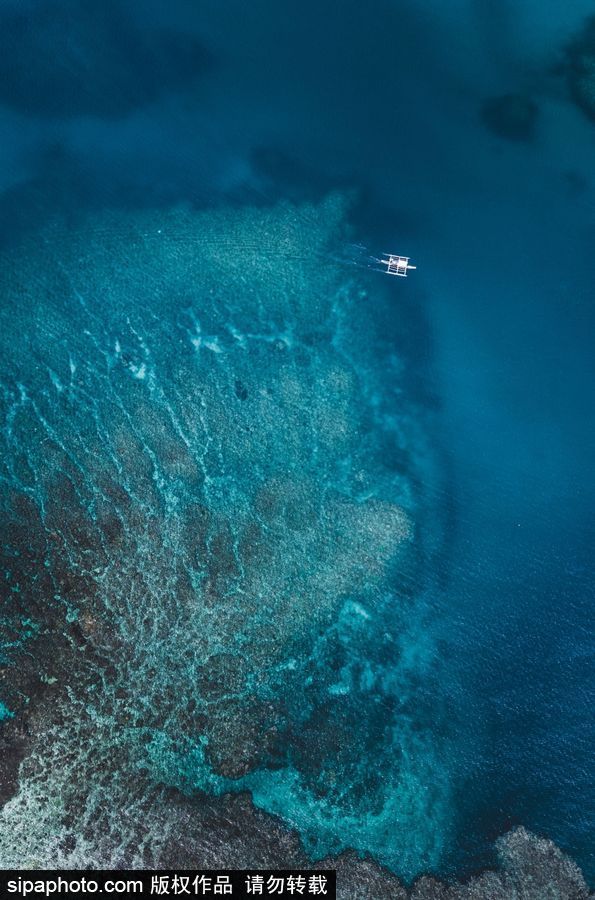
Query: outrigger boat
[[397, 265]]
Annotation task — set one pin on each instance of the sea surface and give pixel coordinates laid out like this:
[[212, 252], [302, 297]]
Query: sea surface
[[424, 701]]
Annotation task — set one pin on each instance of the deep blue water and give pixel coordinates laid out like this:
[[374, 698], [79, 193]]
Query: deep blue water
[[264, 101]]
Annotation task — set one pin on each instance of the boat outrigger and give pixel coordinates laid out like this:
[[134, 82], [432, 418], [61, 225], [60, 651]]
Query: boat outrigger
[[397, 265]]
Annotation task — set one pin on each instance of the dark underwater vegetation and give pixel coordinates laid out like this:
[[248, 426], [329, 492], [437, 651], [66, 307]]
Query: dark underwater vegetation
[[581, 67], [297, 561]]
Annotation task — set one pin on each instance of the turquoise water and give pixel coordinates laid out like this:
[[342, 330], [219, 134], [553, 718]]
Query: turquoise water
[[272, 522]]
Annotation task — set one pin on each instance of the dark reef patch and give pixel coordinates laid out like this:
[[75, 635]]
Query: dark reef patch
[[58, 60], [511, 116], [580, 68]]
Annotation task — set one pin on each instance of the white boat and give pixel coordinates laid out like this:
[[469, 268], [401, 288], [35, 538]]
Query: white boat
[[397, 265]]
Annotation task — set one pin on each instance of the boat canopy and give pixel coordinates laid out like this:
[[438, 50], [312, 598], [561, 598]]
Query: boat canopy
[[397, 265]]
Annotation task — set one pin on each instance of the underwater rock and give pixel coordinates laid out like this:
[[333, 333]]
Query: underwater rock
[[364, 879], [529, 867], [580, 68], [537, 867], [511, 116], [63, 58]]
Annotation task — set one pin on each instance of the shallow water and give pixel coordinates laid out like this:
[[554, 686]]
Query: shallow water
[[493, 332]]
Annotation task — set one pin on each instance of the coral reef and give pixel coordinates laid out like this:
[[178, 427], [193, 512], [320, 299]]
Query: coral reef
[[535, 867], [214, 544], [529, 867]]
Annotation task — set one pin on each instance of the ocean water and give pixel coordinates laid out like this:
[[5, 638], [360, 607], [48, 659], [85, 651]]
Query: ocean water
[[272, 522]]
